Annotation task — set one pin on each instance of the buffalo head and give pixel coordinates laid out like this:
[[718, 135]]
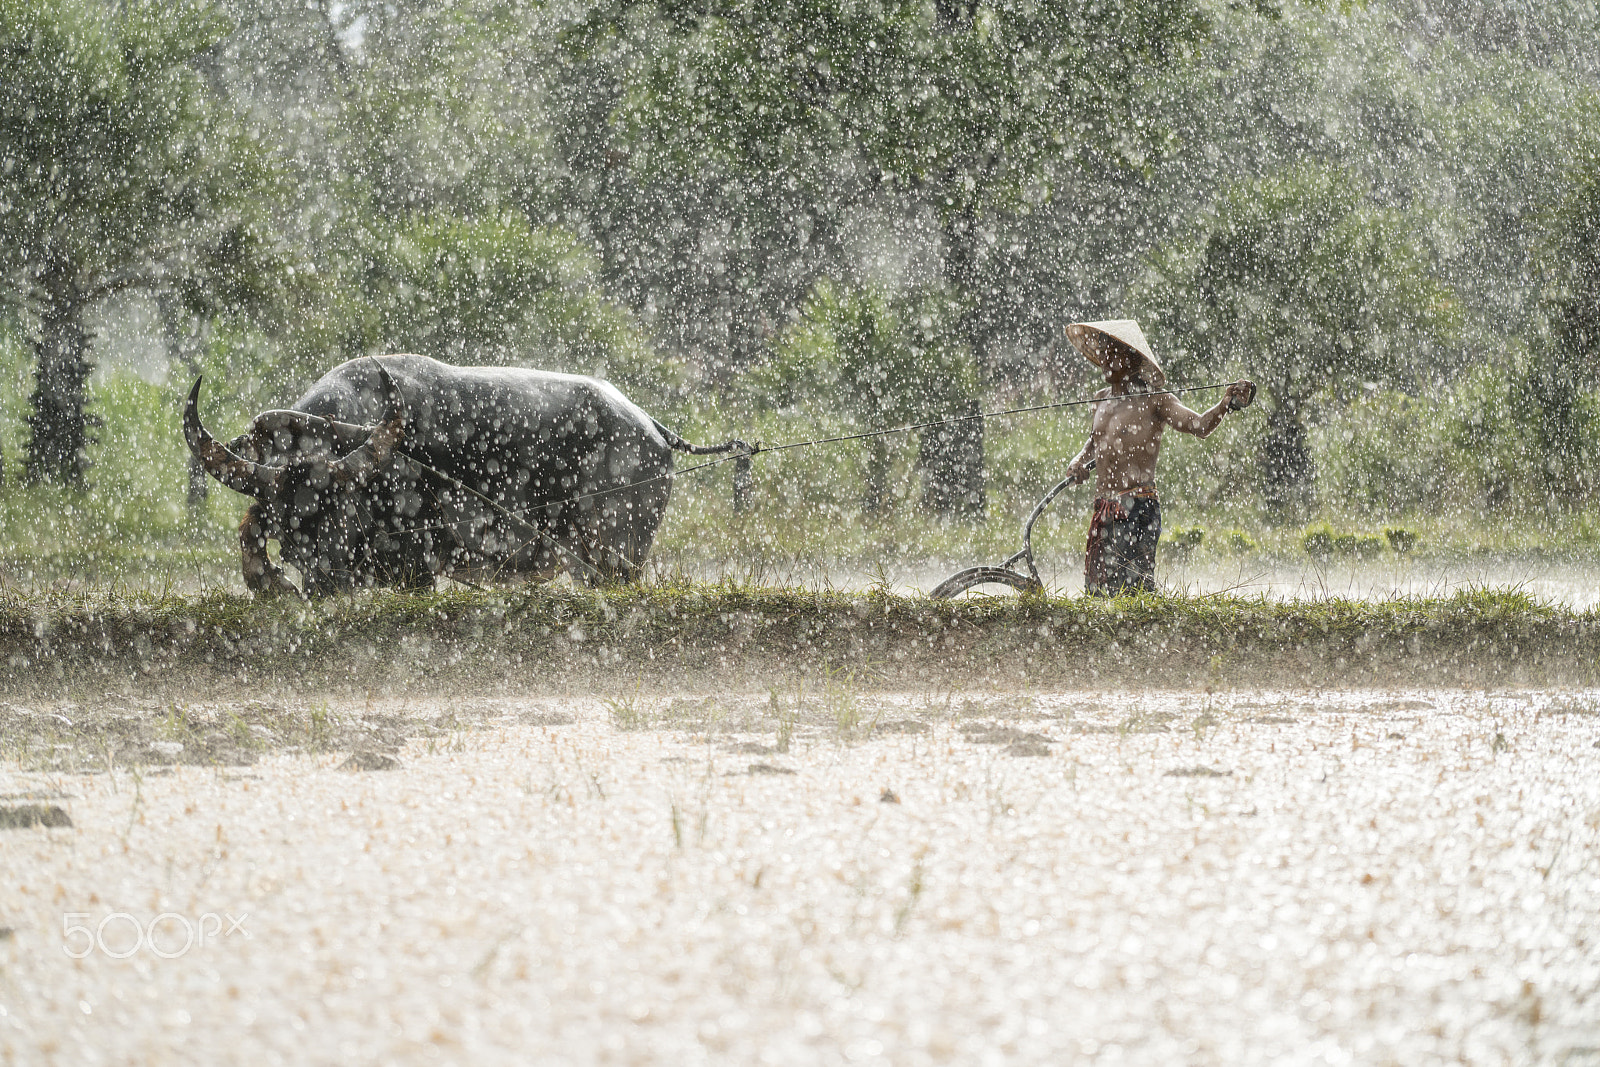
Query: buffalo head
[[327, 491]]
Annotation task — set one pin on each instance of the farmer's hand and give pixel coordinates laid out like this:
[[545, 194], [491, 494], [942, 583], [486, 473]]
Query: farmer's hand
[[1240, 394], [1080, 469]]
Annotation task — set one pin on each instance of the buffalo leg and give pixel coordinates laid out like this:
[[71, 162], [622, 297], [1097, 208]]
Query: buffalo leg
[[261, 575]]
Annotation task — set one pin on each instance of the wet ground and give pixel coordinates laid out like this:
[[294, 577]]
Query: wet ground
[[1575, 585], [1570, 583], [833, 876]]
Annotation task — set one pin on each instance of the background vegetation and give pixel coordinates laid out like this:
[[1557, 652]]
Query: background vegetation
[[793, 219]]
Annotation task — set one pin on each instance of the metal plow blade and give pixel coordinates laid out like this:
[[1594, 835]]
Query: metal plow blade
[[973, 577]]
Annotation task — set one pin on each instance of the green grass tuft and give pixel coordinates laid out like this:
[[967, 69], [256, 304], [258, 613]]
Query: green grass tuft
[[846, 641]]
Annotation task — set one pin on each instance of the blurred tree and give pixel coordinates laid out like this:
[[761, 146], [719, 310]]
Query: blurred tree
[[1467, 133], [880, 366], [1506, 133], [492, 291], [1299, 282], [716, 257], [832, 116], [951, 454], [419, 138], [442, 107], [117, 172], [1555, 389]]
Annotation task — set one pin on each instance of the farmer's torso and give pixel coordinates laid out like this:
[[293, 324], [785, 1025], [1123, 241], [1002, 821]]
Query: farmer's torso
[[1127, 438]]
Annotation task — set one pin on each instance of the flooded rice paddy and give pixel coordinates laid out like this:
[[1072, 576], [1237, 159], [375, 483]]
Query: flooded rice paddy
[[1285, 877], [1560, 583]]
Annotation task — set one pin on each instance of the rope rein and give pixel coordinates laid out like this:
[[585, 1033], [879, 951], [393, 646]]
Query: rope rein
[[978, 415], [750, 450]]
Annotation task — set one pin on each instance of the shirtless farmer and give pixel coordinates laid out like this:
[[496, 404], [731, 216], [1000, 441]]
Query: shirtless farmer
[[1124, 444]]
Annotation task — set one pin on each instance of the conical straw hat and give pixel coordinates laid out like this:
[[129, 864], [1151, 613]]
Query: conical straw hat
[[1093, 338]]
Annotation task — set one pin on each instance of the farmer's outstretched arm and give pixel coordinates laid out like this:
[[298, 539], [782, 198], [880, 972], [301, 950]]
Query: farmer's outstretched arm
[[1199, 423]]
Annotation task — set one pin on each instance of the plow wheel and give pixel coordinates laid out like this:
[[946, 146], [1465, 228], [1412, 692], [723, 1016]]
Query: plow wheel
[[973, 577]]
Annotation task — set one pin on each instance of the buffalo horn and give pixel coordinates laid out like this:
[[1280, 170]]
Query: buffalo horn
[[360, 465], [240, 475]]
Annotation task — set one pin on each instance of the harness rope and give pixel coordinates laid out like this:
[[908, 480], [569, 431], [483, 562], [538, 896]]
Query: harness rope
[[978, 415], [593, 575], [758, 448], [588, 569]]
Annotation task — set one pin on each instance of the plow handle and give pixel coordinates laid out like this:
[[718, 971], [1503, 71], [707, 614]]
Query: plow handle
[[1038, 509], [961, 581]]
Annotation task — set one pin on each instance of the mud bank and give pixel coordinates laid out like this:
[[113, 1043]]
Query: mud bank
[[562, 640]]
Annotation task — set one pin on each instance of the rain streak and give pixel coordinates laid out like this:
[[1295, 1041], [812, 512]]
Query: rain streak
[[814, 531]]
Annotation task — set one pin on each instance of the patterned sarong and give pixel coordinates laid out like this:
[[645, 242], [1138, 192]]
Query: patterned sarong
[[1120, 556]]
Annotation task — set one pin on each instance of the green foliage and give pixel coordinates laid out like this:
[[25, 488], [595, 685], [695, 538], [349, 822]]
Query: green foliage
[[1471, 448], [889, 365], [1318, 541], [114, 157], [877, 364], [1322, 542], [118, 171], [794, 123], [627, 712], [442, 104], [901, 84], [1555, 392], [498, 291], [1302, 279], [1468, 135], [1572, 289], [133, 525], [1361, 546], [1400, 539], [1239, 542], [1306, 285], [1181, 541]]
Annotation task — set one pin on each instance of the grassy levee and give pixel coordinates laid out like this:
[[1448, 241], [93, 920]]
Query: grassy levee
[[554, 639]]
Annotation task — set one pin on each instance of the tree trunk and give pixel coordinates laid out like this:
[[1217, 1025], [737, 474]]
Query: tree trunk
[[743, 485], [875, 494], [59, 426], [962, 444], [967, 467], [1287, 470], [955, 15], [1550, 403], [933, 459], [951, 459]]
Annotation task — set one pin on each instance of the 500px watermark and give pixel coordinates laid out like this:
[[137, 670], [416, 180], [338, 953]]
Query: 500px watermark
[[168, 935]]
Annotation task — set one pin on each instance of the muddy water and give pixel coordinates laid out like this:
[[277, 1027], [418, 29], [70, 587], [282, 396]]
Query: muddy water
[[1575, 585], [1159, 878]]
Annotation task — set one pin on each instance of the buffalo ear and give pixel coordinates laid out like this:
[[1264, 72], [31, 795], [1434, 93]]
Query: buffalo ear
[[239, 474], [365, 461]]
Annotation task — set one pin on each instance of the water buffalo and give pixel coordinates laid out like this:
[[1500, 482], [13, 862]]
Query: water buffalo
[[394, 469]]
